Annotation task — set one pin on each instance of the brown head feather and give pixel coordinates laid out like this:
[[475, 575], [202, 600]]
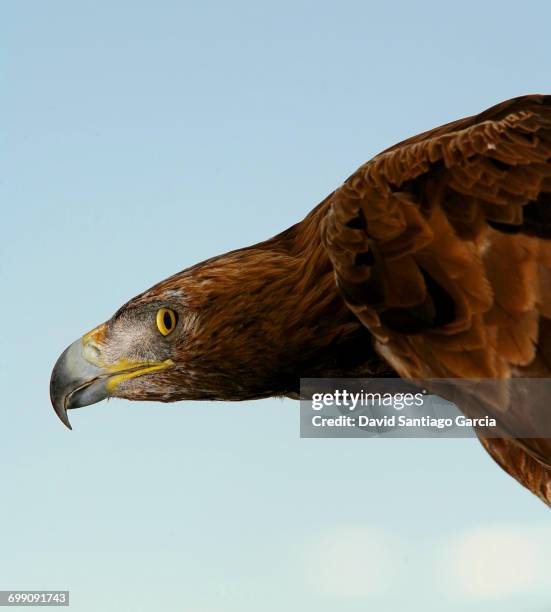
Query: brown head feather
[[258, 319]]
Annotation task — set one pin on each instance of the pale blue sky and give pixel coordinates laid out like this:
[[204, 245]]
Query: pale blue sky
[[139, 138]]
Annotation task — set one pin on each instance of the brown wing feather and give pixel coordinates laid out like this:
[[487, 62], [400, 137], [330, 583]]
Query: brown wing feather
[[440, 247]]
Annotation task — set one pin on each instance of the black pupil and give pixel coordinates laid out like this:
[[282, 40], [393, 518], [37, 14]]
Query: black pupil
[[167, 320]]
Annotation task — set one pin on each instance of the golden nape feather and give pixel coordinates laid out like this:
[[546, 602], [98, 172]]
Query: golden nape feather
[[432, 261]]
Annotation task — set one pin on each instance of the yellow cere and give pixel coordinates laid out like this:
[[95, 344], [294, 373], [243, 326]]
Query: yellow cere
[[123, 369], [166, 321]]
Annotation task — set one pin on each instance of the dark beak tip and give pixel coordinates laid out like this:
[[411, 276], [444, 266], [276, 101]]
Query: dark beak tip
[[57, 395], [64, 419], [61, 411]]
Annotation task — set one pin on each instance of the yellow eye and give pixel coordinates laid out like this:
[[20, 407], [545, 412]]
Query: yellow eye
[[166, 320]]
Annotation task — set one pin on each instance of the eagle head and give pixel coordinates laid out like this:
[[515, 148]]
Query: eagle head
[[240, 326]]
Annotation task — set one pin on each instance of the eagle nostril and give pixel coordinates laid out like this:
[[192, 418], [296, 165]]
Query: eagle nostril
[[91, 352]]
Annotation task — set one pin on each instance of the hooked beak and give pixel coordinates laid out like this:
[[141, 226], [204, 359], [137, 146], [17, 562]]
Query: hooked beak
[[80, 378], [75, 382]]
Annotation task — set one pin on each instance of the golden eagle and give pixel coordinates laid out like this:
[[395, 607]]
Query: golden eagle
[[431, 261]]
